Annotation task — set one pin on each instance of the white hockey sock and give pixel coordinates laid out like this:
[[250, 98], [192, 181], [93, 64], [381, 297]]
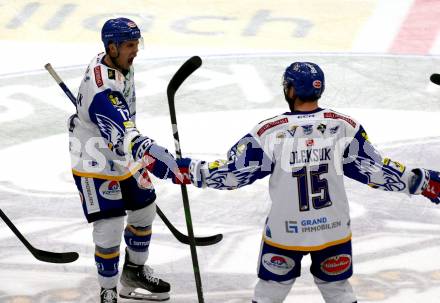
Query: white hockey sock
[[336, 292], [271, 291]]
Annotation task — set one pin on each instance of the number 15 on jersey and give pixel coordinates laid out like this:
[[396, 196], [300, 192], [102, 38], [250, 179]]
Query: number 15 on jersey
[[312, 187]]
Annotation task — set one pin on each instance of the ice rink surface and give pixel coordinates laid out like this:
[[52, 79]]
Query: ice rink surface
[[377, 56]]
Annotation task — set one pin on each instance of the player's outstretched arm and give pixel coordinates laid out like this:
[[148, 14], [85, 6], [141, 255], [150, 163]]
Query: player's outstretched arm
[[157, 158], [246, 162], [124, 139], [363, 163]]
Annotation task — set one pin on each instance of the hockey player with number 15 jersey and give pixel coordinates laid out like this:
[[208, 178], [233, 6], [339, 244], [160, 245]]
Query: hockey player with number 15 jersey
[[306, 152]]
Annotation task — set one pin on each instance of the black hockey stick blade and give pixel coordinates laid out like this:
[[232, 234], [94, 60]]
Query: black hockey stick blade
[[54, 257], [42, 255], [200, 241], [435, 78], [187, 68]]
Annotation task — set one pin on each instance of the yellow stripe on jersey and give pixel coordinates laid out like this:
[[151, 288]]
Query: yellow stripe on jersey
[[106, 177], [308, 248]]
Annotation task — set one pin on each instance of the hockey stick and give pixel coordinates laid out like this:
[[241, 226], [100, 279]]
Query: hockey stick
[[200, 241], [42, 255], [435, 78], [187, 68]]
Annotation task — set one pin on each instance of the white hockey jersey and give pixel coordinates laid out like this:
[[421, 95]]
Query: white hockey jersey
[[104, 125], [306, 155]]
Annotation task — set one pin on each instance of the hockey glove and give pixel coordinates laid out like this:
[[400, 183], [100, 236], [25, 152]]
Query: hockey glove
[[432, 190], [156, 158], [160, 162], [182, 176], [427, 183]]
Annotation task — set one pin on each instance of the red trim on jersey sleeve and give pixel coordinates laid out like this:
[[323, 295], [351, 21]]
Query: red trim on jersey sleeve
[[336, 116], [98, 76], [270, 125]]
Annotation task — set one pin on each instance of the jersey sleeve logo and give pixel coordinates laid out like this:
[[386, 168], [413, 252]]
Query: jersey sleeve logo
[[381, 176], [110, 130], [98, 76], [337, 116], [271, 124]]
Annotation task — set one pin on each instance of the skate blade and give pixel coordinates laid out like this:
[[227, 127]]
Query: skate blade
[[140, 294]]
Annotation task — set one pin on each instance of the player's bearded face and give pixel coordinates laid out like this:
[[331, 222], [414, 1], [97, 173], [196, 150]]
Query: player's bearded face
[[127, 51]]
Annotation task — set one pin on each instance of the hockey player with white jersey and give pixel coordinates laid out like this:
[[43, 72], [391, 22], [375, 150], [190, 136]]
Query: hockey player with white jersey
[[306, 152], [110, 163]]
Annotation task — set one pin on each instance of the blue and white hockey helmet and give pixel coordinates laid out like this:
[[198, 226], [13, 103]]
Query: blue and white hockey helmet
[[119, 30], [307, 78]]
